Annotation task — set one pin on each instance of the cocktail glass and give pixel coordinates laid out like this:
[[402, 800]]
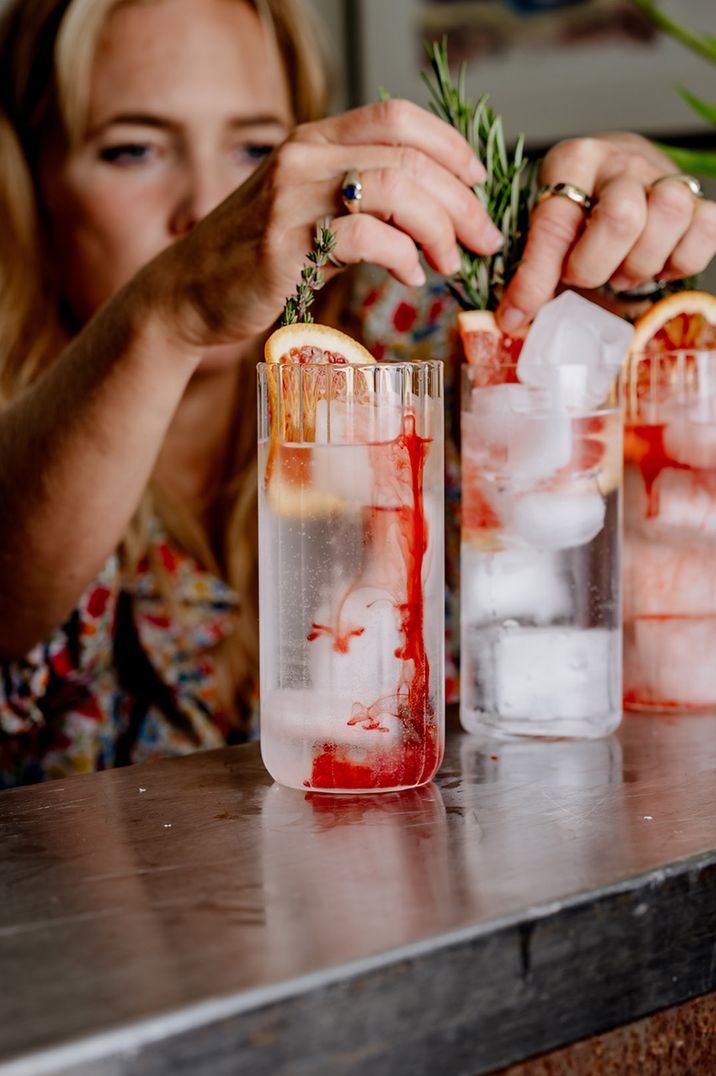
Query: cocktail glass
[[351, 574], [540, 544], [670, 531]]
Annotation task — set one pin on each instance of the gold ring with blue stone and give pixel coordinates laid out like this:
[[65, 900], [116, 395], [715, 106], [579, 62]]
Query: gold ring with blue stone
[[352, 191]]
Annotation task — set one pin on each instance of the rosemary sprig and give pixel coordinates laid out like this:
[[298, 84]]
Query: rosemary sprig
[[312, 280], [506, 192]]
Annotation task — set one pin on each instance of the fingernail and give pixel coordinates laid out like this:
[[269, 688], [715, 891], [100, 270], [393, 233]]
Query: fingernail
[[493, 239], [453, 263], [620, 281], [476, 172], [417, 277], [511, 318]]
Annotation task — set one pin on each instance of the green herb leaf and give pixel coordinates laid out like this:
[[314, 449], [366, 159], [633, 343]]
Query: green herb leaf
[[506, 193], [296, 308]]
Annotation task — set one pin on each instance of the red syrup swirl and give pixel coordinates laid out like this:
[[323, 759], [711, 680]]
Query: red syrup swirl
[[644, 448], [399, 538]]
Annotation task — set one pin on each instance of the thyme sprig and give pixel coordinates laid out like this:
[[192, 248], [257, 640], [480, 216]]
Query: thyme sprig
[[312, 279], [506, 193]]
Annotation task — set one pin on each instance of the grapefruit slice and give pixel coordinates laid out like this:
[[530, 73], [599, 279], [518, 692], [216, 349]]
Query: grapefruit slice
[[308, 342], [486, 347], [302, 352], [300, 358], [662, 352], [685, 321]]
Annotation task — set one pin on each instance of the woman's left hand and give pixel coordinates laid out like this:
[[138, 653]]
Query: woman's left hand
[[636, 230]]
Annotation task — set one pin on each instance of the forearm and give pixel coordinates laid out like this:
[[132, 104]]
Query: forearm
[[76, 452]]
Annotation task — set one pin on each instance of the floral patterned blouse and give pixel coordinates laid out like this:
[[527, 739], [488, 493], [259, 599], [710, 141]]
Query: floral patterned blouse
[[123, 680], [126, 678]]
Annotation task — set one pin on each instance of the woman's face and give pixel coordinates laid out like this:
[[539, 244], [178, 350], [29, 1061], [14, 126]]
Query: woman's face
[[186, 99]]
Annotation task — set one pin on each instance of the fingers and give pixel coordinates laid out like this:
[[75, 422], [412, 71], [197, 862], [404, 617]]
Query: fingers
[[611, 231], [400, 123], [555, 227], [364, 238], [395, 198], [636, 230], [696, 248], [670, 213], [433, 207], [401, 187]]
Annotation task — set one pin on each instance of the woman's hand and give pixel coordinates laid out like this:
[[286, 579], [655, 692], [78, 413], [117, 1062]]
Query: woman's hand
[[634, 233], [228, 279]]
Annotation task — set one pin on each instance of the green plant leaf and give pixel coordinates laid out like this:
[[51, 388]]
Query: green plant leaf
[[506, 192], [703, 108], [699, 161], [703, 44]]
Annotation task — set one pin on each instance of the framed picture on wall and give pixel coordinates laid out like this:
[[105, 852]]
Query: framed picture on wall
[[552, 68]]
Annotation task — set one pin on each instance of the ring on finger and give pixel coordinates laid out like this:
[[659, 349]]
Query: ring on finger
[[352, 191], [680, 177], [567, 190], [325, 224]]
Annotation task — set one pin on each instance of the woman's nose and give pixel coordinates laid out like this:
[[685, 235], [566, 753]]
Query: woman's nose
[[201, 190]]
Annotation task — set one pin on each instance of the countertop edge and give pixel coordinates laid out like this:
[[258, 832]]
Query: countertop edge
[[520, 932]]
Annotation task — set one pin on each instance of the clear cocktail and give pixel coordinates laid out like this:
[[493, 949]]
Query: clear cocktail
[[670, 531], [351, 574], [539, 579]]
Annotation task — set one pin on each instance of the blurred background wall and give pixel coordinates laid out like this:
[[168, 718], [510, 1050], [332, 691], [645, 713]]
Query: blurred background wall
[[552, 68]]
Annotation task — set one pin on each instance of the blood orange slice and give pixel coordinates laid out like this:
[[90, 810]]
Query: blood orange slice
[[683, 321], [304, 352], [487, 348], [492, 357], [306, 342], [662, 353], [301, 357]]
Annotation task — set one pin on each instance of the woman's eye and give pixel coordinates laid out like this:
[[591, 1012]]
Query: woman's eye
[[127, 153], [255, 151]]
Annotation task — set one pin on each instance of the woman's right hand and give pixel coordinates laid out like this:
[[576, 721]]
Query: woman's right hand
[[228, 279]]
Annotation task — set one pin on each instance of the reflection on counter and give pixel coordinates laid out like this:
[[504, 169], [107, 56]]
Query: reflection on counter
[[362, 867]]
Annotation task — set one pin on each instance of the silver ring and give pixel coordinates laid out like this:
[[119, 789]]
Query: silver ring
[[352, 191], [327, 223], [682, 177], [566, 190]]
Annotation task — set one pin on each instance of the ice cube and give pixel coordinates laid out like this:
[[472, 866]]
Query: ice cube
[[513, 585], [557, 520], [668, 578], [576, 347], [549, 675], [370, 420], [690, 437], [512, 430], [350, 437], [669, 663], [343, 471], [300, 718], [679, 501]]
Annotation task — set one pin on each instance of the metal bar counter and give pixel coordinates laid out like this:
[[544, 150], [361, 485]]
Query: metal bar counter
[[191, 916]]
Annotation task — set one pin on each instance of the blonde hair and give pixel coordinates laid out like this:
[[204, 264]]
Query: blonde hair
[[47, 48]]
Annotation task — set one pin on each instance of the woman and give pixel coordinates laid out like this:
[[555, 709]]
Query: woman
[[162, 165]]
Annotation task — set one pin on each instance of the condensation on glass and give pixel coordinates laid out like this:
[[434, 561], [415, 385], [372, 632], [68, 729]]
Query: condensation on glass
[[351, 574]]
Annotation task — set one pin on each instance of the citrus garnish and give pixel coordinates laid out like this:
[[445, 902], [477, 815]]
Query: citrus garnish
[[685, 321], [308, 342], [294, 393], [662, 355], [485, 346], [305, 362]]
